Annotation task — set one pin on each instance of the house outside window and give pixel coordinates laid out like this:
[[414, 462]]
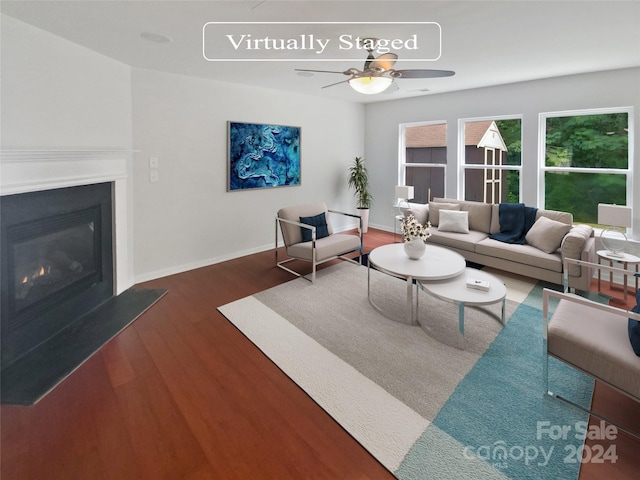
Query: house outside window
[[491, 162], [423, 159], [585, 159]]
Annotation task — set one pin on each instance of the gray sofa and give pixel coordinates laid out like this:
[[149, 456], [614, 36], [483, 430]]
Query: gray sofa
[[554, 241]]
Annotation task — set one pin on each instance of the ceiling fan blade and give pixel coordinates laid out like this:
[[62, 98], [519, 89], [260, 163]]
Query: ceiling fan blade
[[384, 62], [337, 83], [392, 88], [351, 71], [421, 73]]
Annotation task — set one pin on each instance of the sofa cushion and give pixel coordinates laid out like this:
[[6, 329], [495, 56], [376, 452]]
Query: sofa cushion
[[420, 213], [327, 247], [320, 222], [460, 241], [573, 244], [547, 234], [454, 221], [479, 213], [563, 217], [434, 211], [634, 327], [525, 254], [495, 218]]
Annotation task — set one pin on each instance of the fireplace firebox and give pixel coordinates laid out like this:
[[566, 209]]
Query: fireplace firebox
[[57, 262]]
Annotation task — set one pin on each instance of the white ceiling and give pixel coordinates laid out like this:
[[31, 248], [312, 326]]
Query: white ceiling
[[484, 42]]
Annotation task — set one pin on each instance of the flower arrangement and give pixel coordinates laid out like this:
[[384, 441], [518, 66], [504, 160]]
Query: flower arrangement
[[411, 229]]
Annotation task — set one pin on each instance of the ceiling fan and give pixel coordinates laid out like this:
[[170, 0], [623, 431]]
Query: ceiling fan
[[378, 73]]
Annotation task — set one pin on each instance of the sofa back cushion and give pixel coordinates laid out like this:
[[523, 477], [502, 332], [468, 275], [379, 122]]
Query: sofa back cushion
[[479, 213], [434, 211], [563, 217]]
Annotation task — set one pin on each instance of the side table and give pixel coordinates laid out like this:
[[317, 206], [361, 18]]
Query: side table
[[397, 221], [625, 259]]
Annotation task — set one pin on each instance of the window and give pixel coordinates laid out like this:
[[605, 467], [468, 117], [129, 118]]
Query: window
[[423, 159], [491, 160], [586, 161]]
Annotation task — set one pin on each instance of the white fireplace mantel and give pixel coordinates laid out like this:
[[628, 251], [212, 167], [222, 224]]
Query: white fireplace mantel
[[29, 170]]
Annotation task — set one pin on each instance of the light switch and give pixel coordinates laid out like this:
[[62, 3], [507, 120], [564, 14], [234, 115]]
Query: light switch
[[154, 176], [153, 162]]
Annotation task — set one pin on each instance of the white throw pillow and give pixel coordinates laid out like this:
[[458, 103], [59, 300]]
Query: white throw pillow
[[454, 221], [547, 234], [434, 211]]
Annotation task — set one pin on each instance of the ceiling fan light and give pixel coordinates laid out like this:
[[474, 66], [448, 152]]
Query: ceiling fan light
[[370, 85]]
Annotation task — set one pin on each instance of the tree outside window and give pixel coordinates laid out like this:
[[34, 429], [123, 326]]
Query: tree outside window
[[586, 162]]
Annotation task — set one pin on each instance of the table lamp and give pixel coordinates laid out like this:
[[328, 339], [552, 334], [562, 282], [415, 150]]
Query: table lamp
[[403, 194], [617, 218]]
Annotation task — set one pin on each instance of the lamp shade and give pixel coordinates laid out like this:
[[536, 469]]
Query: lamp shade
[[370, 85], [614, 215], [404, 192]]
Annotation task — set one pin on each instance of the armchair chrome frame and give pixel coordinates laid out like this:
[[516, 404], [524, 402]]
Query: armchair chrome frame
[[314, 262], [546, 296]]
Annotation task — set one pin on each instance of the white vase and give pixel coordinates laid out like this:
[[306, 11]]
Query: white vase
[[364, 213], [414, 248]]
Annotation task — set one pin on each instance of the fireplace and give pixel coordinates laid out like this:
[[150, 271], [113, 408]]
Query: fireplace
[[57, 262]]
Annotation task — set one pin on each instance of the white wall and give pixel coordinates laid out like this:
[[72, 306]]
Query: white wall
[[620, 88], [188, 219], [56, 93], [59, 97]]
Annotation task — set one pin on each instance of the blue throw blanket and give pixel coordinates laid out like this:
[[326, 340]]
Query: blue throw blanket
[[515, 221]]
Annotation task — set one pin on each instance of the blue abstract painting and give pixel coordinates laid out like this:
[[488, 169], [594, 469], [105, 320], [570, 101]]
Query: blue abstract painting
[[263, 156]]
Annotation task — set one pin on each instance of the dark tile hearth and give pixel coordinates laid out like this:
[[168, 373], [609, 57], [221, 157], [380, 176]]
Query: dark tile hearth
[[30, 378]]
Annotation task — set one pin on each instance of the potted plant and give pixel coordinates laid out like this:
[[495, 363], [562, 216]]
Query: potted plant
[[359, 181]]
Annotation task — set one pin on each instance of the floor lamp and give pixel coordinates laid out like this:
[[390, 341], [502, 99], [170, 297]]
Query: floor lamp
[[617, 218]]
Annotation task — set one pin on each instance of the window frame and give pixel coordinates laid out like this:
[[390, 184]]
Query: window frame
[[462, 160], [402, 151], [542, 150]]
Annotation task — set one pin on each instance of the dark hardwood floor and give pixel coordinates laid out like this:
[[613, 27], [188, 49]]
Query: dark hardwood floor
[[181, 394]]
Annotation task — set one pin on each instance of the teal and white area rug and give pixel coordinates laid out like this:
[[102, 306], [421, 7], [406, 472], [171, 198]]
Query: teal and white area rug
[[421, 405]]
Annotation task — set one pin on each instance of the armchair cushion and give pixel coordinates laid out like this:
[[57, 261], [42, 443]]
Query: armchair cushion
[[292, 233], [634, 327], [320, 222], [594, 341]]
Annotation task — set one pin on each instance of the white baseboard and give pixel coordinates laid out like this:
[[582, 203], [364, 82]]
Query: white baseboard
[[145, 277]]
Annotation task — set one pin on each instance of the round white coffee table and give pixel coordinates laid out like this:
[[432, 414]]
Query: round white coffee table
[[438, 263], [456, 291]]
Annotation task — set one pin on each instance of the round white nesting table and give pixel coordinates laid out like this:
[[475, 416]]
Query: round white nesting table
[[625, 259], [456, 291], [438, 263]]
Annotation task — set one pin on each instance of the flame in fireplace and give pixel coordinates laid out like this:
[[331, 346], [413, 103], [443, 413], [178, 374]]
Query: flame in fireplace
[[38, 272]]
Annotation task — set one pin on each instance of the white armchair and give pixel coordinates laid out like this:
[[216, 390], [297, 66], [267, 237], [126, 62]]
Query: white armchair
[[308, 235], [592, 337]]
